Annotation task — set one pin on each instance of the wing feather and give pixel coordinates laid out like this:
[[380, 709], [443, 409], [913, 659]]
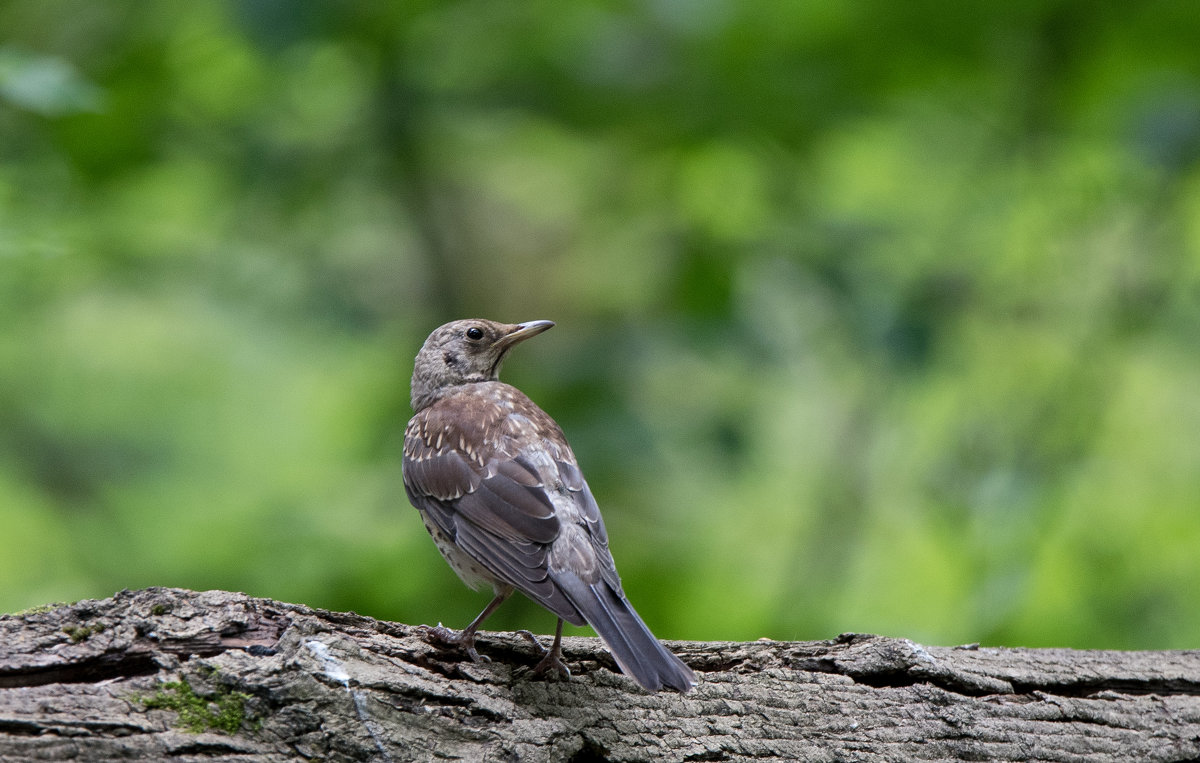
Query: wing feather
[[482, 476]]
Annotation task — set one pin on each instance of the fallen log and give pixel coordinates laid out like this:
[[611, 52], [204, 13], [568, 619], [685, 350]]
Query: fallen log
[[219, 676]]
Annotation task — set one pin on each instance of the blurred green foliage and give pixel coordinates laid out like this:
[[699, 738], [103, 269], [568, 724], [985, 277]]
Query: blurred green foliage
[[873, 316]]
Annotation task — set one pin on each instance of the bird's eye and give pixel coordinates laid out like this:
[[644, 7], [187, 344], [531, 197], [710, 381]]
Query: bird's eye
[[475, 333]]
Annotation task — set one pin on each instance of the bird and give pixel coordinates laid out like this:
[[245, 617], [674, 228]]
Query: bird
[[499, 490]]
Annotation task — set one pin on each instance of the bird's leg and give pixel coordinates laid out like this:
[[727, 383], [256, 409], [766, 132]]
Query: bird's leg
[[465, 639], [552, 662]]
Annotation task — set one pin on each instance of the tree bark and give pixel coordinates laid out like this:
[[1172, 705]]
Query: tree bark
[[218, 676]]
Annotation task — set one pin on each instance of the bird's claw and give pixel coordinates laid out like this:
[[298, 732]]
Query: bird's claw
[[440, 635], [551, 664], [532, 639]]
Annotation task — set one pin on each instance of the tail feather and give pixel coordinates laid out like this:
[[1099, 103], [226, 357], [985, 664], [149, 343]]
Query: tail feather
[[639, 654]]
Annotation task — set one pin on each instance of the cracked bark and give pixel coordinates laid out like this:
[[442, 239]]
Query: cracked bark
[[336, 686]]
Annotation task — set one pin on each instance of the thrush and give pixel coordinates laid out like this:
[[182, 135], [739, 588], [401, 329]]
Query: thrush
[[499, 489]]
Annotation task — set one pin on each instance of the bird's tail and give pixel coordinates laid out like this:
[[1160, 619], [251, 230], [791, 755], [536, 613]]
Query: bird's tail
[[639, 654]]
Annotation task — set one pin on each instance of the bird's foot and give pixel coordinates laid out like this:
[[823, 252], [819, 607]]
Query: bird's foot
[[551, 664], [440, 635], [532, 639]]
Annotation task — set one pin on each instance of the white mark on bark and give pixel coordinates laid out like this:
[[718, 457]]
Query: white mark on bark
[[335, 670]]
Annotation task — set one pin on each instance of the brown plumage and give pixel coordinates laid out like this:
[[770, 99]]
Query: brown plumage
[[500, 492]]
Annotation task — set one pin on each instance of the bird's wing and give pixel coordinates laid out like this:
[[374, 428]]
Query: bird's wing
[[592, 523], [492, 501]]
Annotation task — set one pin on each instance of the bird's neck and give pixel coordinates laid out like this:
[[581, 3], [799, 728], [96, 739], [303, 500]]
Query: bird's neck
[[427, 392]]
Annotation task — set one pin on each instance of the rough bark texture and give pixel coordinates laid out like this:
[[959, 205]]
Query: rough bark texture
[[155, 673]]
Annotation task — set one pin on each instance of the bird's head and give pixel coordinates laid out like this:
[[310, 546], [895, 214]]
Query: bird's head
[[462, 352]]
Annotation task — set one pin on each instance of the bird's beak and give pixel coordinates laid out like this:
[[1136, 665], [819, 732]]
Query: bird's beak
[[523, 331]]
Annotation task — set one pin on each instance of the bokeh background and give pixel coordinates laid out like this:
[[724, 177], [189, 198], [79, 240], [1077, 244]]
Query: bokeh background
[[872, 316]]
